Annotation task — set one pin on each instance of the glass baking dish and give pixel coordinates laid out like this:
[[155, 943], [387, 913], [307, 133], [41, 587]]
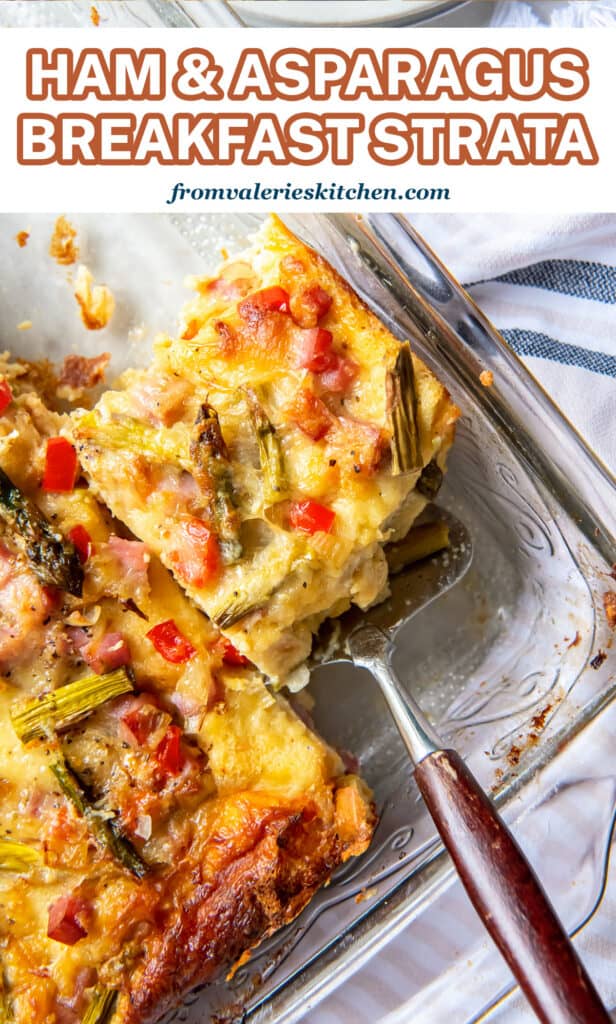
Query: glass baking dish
[[238, 13], [511, 663]]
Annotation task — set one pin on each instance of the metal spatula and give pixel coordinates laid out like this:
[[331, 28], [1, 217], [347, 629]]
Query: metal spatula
[[499, 880]]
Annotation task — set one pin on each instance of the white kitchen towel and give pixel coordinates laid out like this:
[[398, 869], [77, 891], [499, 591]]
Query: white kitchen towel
[[548, 283]]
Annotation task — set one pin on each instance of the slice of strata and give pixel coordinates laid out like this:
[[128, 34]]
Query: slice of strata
[[271, 450], [160, 811]]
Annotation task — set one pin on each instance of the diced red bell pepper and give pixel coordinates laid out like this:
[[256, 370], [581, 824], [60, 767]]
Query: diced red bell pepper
[[60, 471], [169, 751], [172, 645], [6, 395], [231, 655], [340, 375], [315, 350], [82, 542], [255, 307], [309, 305], [65, 921], [196, 558], [310, 517], [311, 415]]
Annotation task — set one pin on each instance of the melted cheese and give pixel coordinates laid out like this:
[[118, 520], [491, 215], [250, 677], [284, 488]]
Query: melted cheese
[[250, 760], [289, 581]]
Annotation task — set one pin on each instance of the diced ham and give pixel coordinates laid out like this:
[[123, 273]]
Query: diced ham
[[24, 608], [257, 307], [314, 350], [79, 372], [227, 337], [38, 803], [133, 559], [78, 638], [159, 399], [350, 761], [309, 305], [138, 718], [359, 445], [108, 653], [64, 1013], [310, 414], [338, 377], [195, 557], [236, 280], [68, 919], [227, 290], [86, 977]]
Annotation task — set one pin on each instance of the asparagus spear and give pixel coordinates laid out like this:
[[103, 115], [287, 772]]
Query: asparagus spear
[[405, 443], [212, 470], [60, 708], [54, 560], [16, 856], [430, 480], [270, 451], [238, 609], [132, 435], [105, 830], [102, 1006]]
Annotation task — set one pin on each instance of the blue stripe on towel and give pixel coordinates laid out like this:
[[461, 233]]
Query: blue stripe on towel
[[579, 278], [533, 343]]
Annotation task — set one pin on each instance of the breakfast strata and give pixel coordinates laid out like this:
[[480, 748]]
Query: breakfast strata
[[271, 450], [160, 810]]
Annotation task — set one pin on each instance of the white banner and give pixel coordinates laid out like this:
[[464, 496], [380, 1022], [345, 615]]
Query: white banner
[[313, 119]]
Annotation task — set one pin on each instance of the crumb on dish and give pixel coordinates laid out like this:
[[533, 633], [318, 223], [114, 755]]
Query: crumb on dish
[[22, 238], [95, 17], [24, 325], [609, 603], [486, 378], [366, 894], [96, 301], [63, 247]]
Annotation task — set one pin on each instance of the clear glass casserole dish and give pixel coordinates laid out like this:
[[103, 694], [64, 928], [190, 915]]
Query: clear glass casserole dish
[[206, 13], [509, 663]]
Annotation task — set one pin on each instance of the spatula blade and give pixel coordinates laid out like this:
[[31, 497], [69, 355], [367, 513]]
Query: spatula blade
[[410, 591]]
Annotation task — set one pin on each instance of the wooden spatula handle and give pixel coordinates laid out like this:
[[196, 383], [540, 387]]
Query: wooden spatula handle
[[507, 894]]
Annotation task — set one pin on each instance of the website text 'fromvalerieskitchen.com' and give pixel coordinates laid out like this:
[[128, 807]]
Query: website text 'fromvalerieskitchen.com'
[[320, 191]]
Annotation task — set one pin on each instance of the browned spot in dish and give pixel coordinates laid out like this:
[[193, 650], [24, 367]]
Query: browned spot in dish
[[609, 603]]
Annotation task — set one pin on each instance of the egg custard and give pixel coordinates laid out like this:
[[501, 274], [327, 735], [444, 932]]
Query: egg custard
[[161, 811], [272, 449]]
